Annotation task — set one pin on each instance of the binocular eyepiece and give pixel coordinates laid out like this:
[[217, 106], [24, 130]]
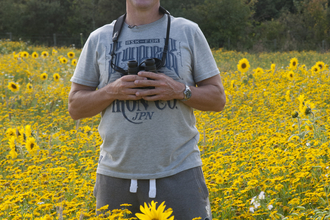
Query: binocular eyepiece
[[134, 68]]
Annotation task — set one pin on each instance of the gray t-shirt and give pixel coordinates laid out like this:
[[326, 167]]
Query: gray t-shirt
[[143, 139]]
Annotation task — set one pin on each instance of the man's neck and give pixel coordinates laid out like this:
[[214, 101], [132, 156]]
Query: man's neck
[[142, 16]]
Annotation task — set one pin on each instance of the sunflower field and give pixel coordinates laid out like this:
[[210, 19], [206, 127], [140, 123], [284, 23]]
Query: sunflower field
[[265, 156]]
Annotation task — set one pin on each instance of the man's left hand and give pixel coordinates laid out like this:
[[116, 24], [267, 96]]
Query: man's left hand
[[165, 89]]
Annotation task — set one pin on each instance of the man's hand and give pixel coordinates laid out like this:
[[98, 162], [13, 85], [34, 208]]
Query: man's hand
[[165, 89], [209, 95], [86, 101], [125, 88]]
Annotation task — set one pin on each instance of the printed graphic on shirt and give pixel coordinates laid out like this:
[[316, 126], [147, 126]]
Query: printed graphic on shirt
[[137, 112], [141, 49]]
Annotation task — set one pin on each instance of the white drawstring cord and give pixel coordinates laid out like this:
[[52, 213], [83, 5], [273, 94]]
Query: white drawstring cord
[[134, 186], [152, 187]]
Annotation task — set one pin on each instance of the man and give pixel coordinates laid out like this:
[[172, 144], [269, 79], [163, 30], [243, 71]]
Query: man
[[149, 149]]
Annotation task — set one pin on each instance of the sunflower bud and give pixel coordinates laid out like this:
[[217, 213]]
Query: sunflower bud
[[294, 114], [308, 110]]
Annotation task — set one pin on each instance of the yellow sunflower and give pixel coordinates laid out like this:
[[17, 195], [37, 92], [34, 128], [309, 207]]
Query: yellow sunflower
[[24, 54], [29, 87], [44, 54], [64, 60], [243, 65], [11, 132], [56, 77], [290, 75], [71, 54], [259, 71], [293, 63], [35, 55], [74, 62], [315, 69], [54, 52], [13, 87], [321, 65], [150, 212], [272, 67], [31, 146], [43, 76]]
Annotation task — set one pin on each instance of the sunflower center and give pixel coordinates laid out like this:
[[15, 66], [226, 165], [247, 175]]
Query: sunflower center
[[32, 145], [294, 64], [14, 86], [244, 65]]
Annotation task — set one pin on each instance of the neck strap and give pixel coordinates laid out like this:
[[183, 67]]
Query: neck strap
[[116, 33]]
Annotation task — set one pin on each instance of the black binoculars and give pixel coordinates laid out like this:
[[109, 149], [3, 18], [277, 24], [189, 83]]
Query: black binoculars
[[149, 66], [134, 67]]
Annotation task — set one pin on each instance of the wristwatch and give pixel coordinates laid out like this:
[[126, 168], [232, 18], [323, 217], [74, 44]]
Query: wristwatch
[[186, 94]]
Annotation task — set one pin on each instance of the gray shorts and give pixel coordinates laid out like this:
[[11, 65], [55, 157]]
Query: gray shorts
[[186, 193]]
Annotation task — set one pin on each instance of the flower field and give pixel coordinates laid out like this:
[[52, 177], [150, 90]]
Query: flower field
[[266, 156]]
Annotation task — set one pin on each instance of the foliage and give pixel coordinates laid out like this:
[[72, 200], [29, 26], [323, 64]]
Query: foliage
[[265, 156], [253, 25]]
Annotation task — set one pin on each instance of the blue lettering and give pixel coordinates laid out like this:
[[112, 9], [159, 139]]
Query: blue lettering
[[129, 107], [170, 104], [158, 103]]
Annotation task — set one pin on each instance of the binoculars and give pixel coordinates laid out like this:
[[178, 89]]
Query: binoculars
[[134, 67], [149, 66]]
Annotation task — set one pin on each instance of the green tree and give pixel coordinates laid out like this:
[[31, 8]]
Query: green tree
[[223, 22]]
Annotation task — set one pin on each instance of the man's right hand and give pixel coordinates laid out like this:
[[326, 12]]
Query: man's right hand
[[86, 101]]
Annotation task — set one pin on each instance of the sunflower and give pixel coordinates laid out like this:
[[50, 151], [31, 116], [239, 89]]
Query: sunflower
[[293, 63], [259, 71], [74, 62], [44, 54], [287, 96], [13, 154], [43, 76], [13, 87], [56, 77], [321, 65], [152, 213], [29, 87], [24, 54], [294, 114], [71, 55], [28, 131], [64, 60], [290, 75], [11, 132], [315, 69], [243, 65], [272, 67], [35, 55], [54, 52], [31, 145]]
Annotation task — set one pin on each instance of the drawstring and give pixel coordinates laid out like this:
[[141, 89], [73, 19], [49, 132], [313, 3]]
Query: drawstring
[[133, 187], [152, 187]]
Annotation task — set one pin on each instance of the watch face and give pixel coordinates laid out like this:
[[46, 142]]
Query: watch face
[[187, 93]]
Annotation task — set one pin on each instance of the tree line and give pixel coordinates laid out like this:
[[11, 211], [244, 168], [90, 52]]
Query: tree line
[[243, 25]]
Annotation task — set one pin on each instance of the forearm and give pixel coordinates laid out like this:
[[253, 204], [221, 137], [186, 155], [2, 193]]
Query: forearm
[[207, 98], [87, 103]]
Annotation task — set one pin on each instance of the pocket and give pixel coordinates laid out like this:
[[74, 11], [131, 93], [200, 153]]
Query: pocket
[[199, 177]]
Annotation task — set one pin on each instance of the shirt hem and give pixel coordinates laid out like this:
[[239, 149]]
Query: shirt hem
[[146, 176]]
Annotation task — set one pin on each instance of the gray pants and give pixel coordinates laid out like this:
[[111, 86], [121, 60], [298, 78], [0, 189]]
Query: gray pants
[[186, 193]]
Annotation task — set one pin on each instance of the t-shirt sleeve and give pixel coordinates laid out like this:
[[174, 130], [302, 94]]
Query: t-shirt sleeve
[[204, 65], [87, 71]]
